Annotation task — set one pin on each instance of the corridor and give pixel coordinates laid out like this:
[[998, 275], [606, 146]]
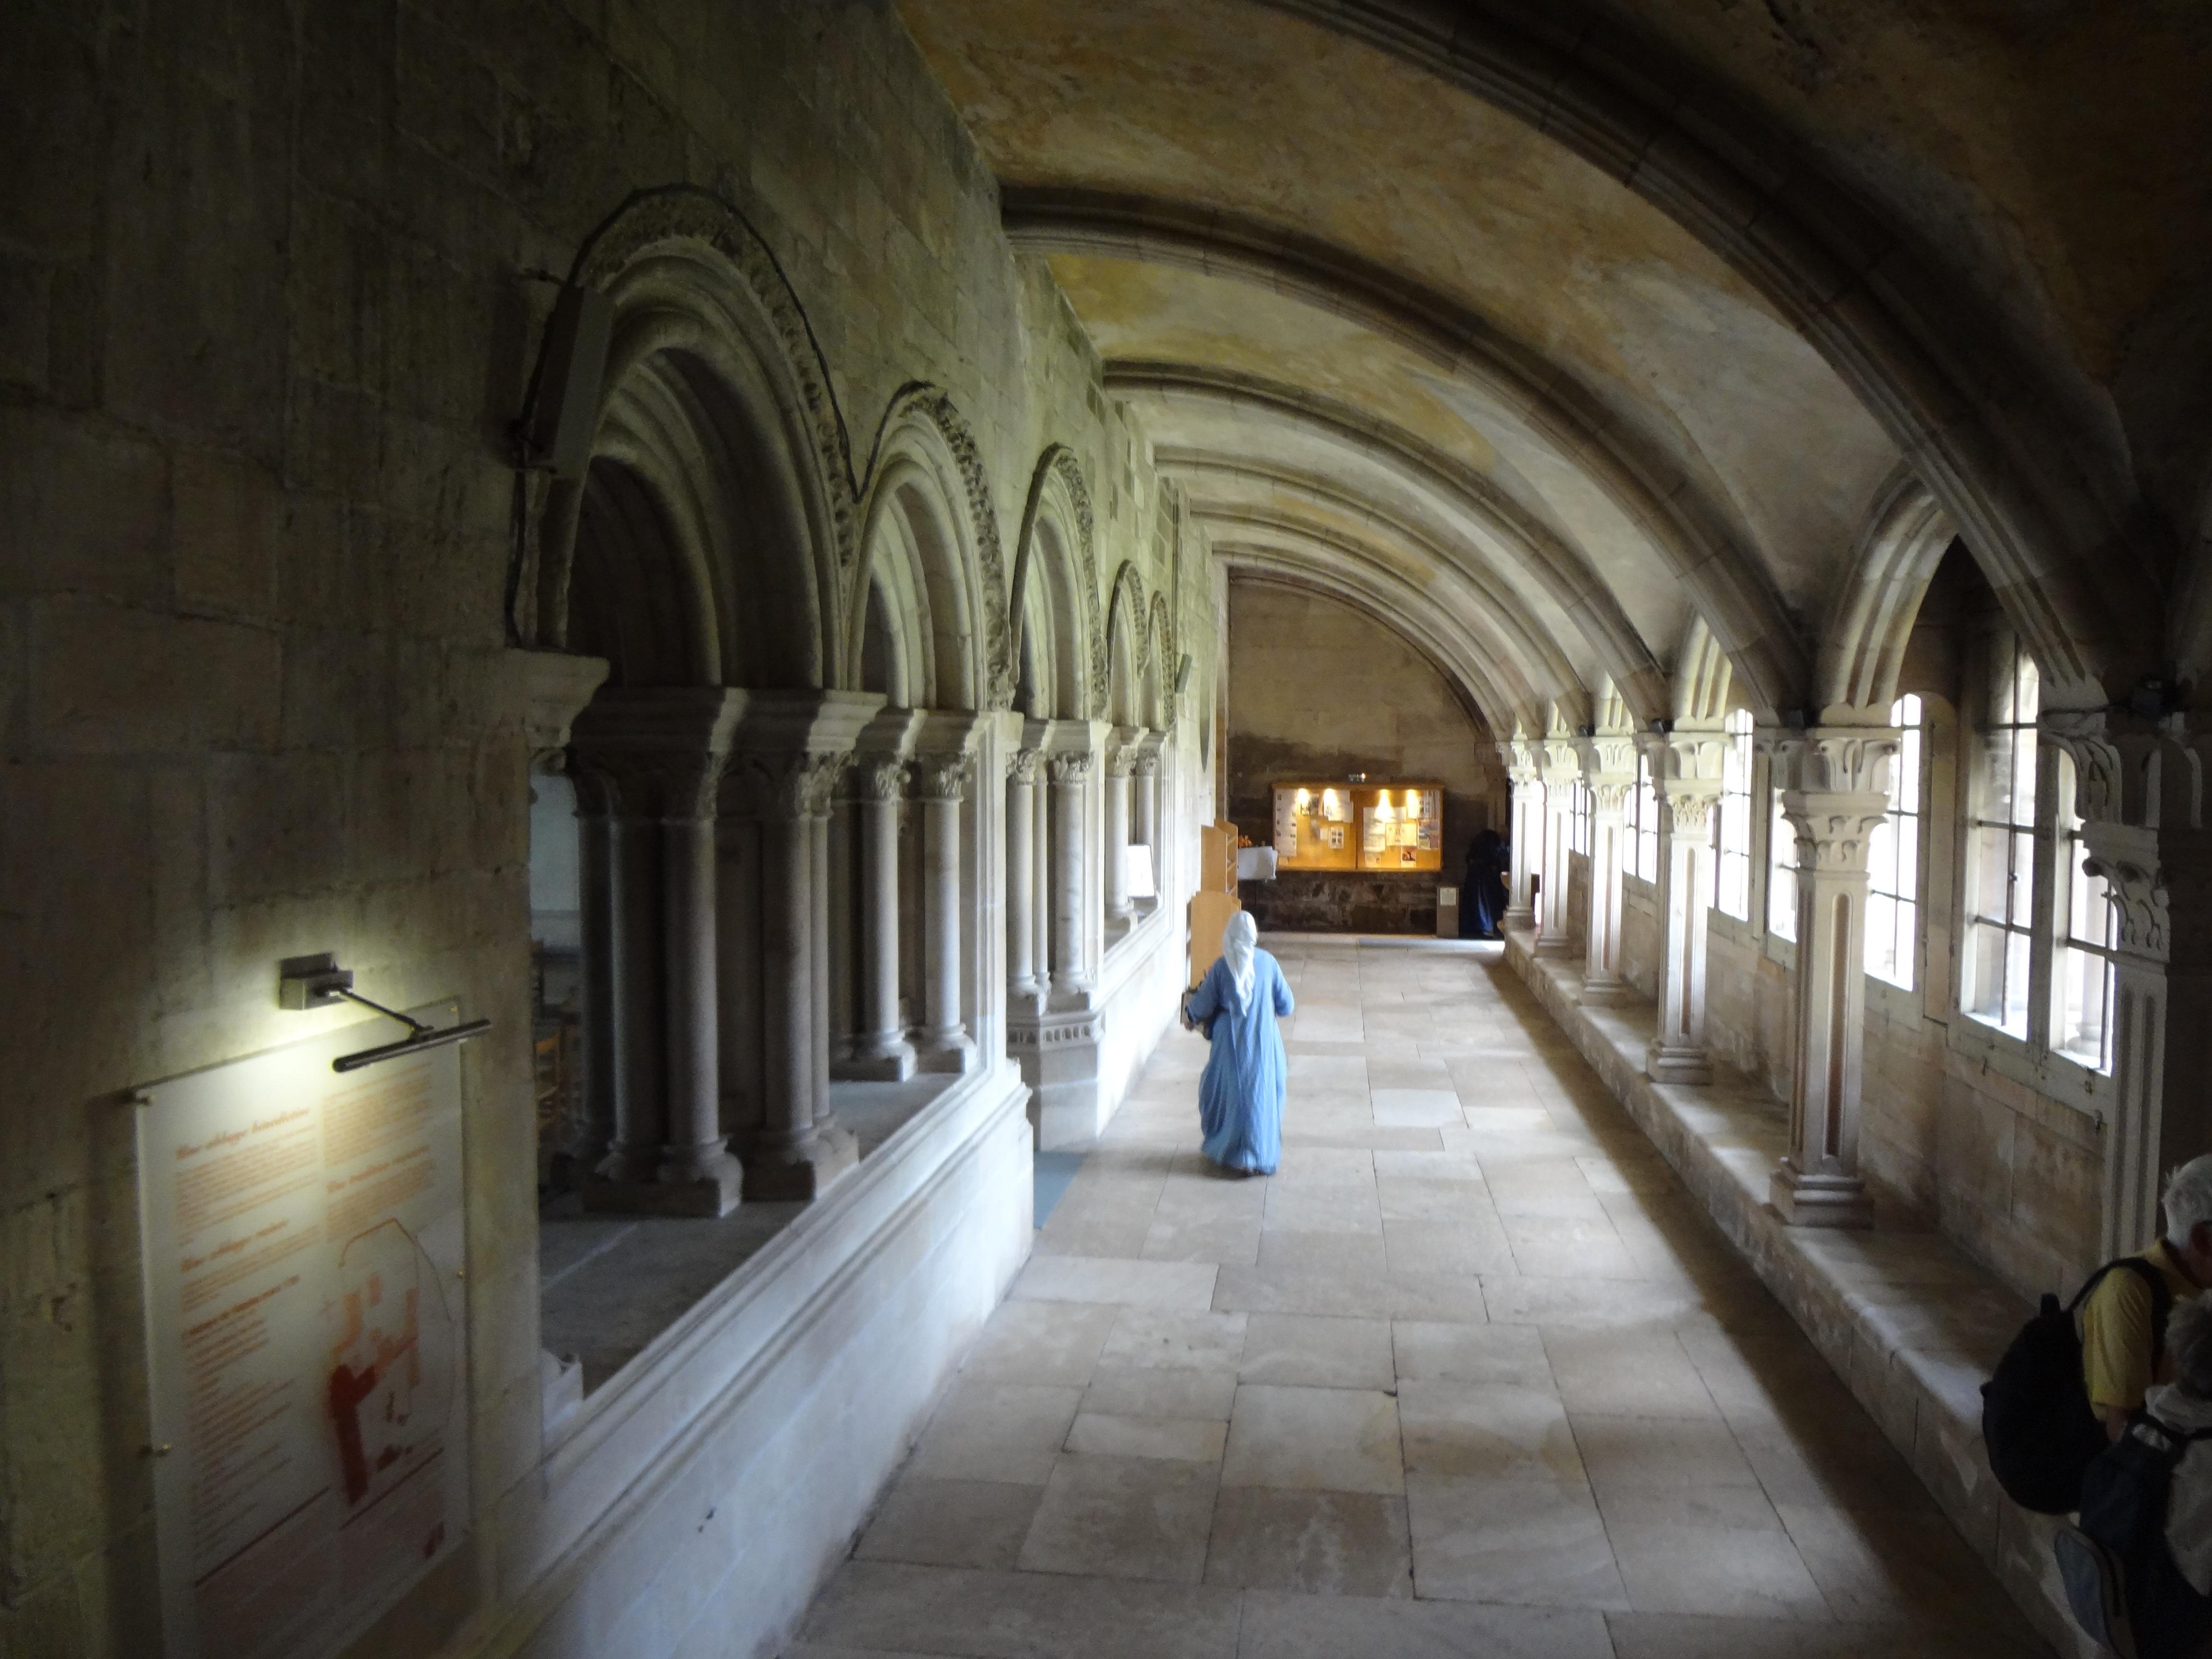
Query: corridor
[[1469, 1375]]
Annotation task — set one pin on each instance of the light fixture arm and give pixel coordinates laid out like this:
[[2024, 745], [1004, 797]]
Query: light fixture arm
[[317, 982]]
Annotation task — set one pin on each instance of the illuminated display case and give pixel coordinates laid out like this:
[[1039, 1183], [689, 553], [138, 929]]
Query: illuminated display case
[[1338, 826]]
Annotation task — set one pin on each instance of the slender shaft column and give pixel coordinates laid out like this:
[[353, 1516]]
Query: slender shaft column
[[660, 753], [1121, 763], [1041, 901], [1560, 770], [1678, 1052], [1021, 874], [695, 1154], [1144, 806], [942, 784], [1525, 829], [880, 1050], [818, 847], [1070, 773], [1837, 784], [792, 1158], [1609, 772], [596, 839]]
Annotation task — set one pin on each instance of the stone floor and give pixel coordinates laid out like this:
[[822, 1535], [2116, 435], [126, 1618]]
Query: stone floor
[[1468, 1376]]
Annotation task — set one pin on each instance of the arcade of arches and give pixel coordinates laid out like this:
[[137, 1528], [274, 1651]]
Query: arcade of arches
[[743, 543]]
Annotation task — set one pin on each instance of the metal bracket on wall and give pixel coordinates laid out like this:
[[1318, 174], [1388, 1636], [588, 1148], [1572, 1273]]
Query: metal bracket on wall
[[318, 982]]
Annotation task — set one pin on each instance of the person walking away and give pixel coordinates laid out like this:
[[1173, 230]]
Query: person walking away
[[1240, 1096], [1483, 897], [2124, 1354]]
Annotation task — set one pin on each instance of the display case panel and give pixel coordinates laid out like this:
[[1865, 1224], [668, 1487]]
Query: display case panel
[[1338, 826]]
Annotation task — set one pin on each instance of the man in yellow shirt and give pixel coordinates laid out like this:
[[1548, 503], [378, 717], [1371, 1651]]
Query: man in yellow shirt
[[2117, 1337]]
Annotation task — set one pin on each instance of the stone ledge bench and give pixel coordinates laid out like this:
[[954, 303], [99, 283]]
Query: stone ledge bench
[[1912, 1324]]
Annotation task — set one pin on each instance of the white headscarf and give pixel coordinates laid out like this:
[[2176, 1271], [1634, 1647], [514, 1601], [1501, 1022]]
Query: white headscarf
[[1238, 941]]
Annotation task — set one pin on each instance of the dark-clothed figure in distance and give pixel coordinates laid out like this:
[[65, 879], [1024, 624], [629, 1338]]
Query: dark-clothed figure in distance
[[1240, 1098], [1482, 898]]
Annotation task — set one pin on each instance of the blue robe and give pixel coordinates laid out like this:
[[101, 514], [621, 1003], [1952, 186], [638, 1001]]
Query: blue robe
[[1240, 1098]]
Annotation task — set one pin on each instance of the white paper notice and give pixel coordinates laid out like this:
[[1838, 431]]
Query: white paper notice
[[305, 1320]]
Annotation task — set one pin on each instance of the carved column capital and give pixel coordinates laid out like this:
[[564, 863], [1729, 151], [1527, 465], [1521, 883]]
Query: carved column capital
[[672, 785], [876, 779], [792, 786], [1072, 767], [1833, 760], [1022, 765], [1121, 761], [942, 777], [1690, 806]]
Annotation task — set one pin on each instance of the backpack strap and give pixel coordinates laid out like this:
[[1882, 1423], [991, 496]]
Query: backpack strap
[[2161, 1298]]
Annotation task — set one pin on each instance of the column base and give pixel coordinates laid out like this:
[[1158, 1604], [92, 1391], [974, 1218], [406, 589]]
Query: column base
[[781, 1170], [713, 1192], [888, 1062], [1606, 993], [1517, 916], [1664, 1064], [953, 1052], [1548, 944], [1819, 1199]]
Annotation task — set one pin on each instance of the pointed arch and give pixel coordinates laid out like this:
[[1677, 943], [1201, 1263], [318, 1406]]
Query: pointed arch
[[1862, 649]]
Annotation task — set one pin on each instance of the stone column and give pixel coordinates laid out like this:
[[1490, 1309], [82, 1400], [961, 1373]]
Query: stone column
[[941, 784], [1071, 774], [1144, 808], [1022, 960], [600, 847], [1560, 768], [662, 751], [1120, 766], [880, 1050], [1835, 790], [792, 1156], [1609, 772], [1041, 888], [1526, 832], [1687, 774], [2145, 828]]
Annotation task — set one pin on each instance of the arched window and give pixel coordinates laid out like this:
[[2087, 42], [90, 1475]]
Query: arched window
[[2088, 928], [1643, 822], [1732, 887], [1893, 859], [2000, 888], [1782, 871]]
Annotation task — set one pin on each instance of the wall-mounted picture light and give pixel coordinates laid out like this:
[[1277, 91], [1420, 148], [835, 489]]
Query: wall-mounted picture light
[[318, 982]]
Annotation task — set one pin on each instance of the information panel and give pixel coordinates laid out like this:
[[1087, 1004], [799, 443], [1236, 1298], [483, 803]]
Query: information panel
[[305, 1313]]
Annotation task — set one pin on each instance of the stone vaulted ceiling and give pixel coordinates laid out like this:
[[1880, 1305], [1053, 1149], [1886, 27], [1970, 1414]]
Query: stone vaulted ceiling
[[1398, 339]]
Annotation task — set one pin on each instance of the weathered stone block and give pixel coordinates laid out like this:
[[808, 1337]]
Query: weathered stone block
[[108, 680], [83, 509]]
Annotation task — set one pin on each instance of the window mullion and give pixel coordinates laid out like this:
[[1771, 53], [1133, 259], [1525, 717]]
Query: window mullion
[[2042, 902]]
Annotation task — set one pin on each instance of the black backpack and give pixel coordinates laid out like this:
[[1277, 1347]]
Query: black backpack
[[2120, 1576], [2036, 1422]]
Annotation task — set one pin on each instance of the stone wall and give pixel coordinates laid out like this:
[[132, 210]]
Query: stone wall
[[1343, 902], [1316, 689], [268, 315]]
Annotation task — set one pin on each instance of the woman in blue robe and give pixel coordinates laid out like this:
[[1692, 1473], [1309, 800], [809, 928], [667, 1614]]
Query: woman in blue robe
[[1240, 1098]]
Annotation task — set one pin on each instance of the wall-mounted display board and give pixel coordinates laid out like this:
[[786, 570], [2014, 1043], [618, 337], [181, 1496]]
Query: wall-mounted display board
[[1336, 826], [306, 1317]]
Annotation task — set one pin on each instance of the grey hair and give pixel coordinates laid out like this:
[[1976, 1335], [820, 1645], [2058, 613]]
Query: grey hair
[[2189, 1198], [2189, 1339]]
